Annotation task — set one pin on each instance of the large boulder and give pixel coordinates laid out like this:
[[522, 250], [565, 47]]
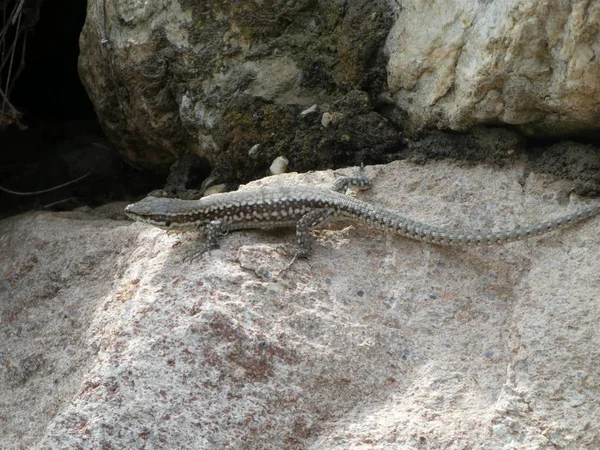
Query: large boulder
[[325, 83], [111, 338], [529, 63], [239, 83]]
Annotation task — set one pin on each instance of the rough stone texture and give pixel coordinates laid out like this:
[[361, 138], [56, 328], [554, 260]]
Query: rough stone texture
[[109, 339], [229, 81], [482, 144], [530, 63], [55, 273], [219, 77], [573, 160]]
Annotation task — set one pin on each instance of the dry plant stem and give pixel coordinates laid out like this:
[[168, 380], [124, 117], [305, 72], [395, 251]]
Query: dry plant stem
[[43, 191]]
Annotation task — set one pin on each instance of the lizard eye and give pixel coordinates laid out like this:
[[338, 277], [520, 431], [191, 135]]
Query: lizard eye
[[168, 223]]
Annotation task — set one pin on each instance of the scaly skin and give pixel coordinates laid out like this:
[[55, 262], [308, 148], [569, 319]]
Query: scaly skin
[[308, 207]]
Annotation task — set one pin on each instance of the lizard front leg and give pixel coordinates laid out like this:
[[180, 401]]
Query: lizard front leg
[[212, 231]]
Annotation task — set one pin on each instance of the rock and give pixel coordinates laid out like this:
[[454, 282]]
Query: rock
[[254, 150], [109, 339], [331, 118], [526, 63], [279, 165], [578, 162], [217, 77], [310, 110]]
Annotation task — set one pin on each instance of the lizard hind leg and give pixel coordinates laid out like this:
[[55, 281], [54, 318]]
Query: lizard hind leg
[[213, 230], [310, 220], [361, 181]]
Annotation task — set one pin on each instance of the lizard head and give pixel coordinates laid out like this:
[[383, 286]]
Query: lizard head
[[162, 212]]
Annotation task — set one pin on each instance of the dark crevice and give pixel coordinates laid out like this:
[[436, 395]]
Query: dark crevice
[[60, 138]]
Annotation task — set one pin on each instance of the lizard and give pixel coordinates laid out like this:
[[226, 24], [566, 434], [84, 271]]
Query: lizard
[[308, 207]]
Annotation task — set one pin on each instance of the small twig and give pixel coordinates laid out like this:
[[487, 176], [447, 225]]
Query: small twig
[[46, 190], [16, 17], [99, 145], [8, 22], [21, 66], [18, 11], [12, 50], [50, 205], [22, 20], [5, 100]]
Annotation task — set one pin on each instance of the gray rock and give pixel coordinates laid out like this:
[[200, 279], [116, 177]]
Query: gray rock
[[109, 339], [218, 77], [524, 63]]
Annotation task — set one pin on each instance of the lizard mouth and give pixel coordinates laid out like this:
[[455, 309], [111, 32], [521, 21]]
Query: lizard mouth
[[155, 220], [152, 219]]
